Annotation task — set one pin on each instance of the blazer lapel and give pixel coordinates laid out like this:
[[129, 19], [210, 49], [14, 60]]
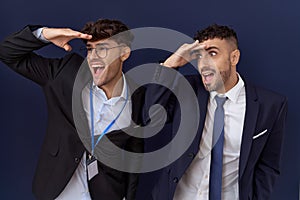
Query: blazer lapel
[[83, 78], [251, 115], [203, 96], [137, 99]]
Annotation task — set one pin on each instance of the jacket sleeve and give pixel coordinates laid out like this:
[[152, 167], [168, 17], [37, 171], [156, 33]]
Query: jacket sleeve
[[161, 92], [268, 166], [16, 51]]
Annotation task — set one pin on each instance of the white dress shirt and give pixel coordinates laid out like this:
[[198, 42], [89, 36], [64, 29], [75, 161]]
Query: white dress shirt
[[194, 184], [105, 110]]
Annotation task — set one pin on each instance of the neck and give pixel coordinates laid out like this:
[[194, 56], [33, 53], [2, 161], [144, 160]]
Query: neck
[[229, 84], [232, 82], [114, 88]]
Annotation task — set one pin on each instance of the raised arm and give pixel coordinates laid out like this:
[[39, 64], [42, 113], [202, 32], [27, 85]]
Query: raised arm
[[61, 36], [184, 54], [169, 83], [16, 51]]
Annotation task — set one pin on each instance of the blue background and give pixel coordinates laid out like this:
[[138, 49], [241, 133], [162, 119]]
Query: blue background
[[268, 32]]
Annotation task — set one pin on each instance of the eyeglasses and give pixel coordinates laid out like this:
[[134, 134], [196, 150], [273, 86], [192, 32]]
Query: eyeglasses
[[100, 50]]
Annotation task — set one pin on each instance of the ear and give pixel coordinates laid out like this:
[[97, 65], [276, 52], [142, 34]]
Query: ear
[[235, 57], [125, 53]]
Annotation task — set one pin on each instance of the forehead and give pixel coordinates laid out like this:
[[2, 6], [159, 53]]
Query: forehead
[[104, 42], [217, 43]]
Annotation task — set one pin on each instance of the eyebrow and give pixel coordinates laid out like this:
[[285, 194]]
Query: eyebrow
[[100, 44], [212, 47]]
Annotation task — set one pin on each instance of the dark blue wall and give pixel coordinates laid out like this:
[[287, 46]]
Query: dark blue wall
[[269, 33]]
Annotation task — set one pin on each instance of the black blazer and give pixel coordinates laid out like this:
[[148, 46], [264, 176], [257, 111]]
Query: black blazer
[[62, 148], [260, 154]]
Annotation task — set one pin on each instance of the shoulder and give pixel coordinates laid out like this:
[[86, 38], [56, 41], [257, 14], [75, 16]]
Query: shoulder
[[71, 61], [195, 81], [73, 58], [68, 65], [264, 95]]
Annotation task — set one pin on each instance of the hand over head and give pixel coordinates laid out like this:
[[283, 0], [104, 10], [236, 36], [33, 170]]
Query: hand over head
[[61, 36], [186, 53]]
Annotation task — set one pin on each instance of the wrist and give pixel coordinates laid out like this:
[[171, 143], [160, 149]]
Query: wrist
[[168, 64], [43, 37], [38, 33]]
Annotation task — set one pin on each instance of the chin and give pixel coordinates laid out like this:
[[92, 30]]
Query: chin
[[97, 82], [209, 88]]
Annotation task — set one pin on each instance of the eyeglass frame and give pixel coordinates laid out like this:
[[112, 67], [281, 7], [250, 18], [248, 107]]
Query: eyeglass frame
[[90, 49]]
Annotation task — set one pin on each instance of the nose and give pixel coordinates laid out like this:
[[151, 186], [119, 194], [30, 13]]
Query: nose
[[93, 54], [205, 60]]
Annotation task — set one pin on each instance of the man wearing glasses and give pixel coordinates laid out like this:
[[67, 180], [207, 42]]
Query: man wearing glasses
[[66, 170]]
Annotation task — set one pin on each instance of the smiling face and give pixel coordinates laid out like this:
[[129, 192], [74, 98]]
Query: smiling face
[[217, 64], [105, 59], [111, 39]]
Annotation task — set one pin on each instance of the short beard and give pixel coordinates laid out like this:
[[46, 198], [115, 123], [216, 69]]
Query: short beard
[[219, 85]]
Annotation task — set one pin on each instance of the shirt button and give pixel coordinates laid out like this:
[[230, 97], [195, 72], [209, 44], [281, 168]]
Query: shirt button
[[77, 160], [206, 176], [175, 180]]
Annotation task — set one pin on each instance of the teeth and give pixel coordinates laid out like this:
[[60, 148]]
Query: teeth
[[98, 66], [207, 74]]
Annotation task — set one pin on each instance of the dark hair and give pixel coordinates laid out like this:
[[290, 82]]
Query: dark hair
[[216, 31], [106, 28]]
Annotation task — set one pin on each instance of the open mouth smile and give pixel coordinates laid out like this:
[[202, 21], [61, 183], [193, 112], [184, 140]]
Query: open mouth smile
[[208, 75], [97, 67]]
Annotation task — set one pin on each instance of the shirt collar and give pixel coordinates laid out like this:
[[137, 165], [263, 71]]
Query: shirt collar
[[233, 93], [125, 88]]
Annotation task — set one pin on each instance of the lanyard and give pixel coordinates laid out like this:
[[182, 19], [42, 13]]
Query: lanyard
[[92, 119]]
